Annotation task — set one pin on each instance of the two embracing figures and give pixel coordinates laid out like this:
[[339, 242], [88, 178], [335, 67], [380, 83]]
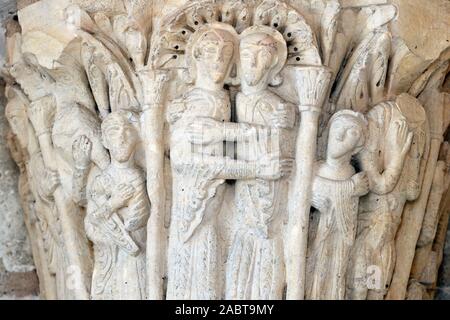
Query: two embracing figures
[[200, 125]]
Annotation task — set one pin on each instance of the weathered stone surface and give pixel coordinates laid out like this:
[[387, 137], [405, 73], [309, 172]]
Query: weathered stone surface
[[222, 149], [17, 275]]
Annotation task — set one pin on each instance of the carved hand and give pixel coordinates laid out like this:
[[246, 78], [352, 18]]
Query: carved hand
[[283, 117], [270, 167], [120, 198], [41, 114], [402, 139], [361, 184], [81, 151], [205, 131]]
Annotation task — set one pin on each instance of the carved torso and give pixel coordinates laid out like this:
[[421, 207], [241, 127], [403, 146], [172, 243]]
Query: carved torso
[[120, 240]]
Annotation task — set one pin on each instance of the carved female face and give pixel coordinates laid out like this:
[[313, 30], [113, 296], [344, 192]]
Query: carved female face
[[344, 137], [257, 57], [214, 54], [120, 138]]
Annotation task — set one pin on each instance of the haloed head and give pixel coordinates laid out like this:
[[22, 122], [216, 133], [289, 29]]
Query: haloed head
[[258, 55]]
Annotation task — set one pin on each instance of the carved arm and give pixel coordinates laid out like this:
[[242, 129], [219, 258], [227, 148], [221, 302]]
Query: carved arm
[[81, 151], [209, 131], [105, 218], [139, 211], [384, 182], [268, 167]]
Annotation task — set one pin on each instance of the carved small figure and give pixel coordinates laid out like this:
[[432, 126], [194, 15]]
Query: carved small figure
[[118, 210], [335, 196], [393, 168]]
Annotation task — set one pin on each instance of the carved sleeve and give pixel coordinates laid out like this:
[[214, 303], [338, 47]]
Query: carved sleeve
[[37, 167], [237, 169], [103, 223], [240, 132], [319, 200], [380, 182], [79, 183], [139, 209], [226, 167]]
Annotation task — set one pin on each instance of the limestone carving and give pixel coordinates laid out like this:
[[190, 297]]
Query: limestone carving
[[211, 149], [117, 214], [200, 171], [403, 124], [335, 196], [260, 203], [425, 266]]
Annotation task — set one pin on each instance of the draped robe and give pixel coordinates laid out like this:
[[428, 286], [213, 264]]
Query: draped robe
[[255, 268], [119, 240], [194, 247], [331, 242]]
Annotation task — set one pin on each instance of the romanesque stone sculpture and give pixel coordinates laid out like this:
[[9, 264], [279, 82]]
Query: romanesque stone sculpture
[[335, 196], [400, 125], [261, 204], [52, 111], [199, 171], [425, 265], [254, 129], [36, 188], [117, 214]]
